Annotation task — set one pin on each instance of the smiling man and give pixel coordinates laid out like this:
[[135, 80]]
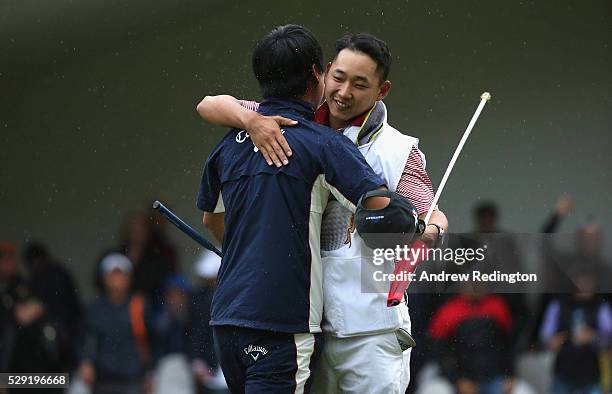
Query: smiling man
[[362, 352], [355, 80]]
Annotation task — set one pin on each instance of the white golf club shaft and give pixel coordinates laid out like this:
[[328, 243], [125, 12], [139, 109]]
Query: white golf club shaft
[[486, 96]]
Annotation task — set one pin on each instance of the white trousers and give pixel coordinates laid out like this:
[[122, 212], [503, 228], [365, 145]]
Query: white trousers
[[373, 364]]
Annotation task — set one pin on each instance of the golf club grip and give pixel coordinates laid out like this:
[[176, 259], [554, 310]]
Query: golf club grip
[[399, 287], [184, 227]]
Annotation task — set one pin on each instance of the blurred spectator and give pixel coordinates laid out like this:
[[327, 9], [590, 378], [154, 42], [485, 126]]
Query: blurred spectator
[[159, 239], [116, 353], [578, 328], [557, 278], [471, 329], [503, 255], [151, 265], [205, 364], [11, 287], [171, 329], [486, 215], [561, 267], [171, 322], [53, 285], [30, 338]]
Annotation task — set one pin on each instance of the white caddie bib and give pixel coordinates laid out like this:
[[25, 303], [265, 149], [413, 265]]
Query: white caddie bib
[[352, 307]]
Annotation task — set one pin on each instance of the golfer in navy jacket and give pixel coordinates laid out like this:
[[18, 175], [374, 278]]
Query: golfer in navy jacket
[[267, 308]]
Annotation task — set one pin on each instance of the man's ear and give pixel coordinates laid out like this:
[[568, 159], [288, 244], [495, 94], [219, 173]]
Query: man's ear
[[384, 90], [316, 74], [327, 67]]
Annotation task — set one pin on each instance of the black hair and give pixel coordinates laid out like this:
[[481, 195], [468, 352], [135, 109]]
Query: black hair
[[374, 47], [35, 251], [486, 208], [283, 60]]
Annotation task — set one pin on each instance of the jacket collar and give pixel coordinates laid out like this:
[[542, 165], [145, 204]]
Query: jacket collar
[[301, 108], [363, 128], [322, 116]]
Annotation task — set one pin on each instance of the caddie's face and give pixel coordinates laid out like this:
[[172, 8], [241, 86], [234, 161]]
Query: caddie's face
[[352, 85]]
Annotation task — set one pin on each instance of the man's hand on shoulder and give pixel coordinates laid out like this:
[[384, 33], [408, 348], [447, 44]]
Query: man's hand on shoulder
[[266, 134], [265, 131]]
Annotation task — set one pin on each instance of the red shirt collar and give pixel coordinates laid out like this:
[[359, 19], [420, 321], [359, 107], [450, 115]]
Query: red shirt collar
[[322, 116]]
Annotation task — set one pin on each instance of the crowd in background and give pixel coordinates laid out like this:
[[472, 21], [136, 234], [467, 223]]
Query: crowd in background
[[557, 340], [147, 329]]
